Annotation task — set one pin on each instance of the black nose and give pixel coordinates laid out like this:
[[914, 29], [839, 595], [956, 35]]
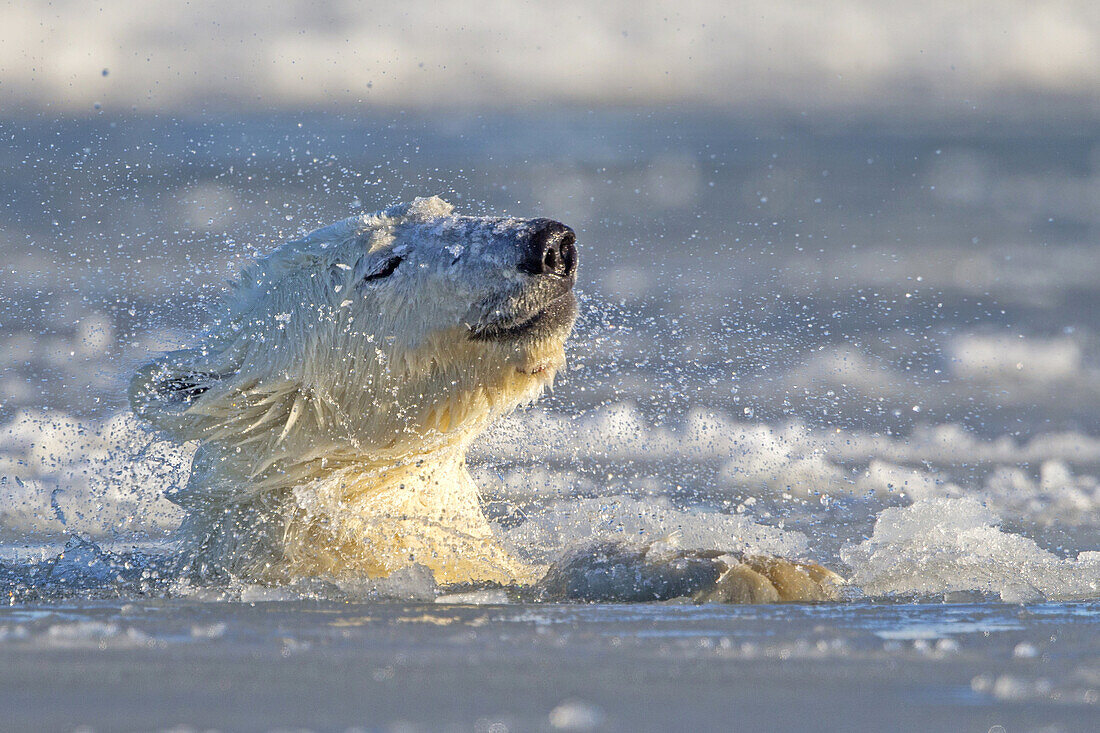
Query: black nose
[[551, 249]]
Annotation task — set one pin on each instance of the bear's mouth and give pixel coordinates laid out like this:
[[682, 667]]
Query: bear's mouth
[[555, 316]]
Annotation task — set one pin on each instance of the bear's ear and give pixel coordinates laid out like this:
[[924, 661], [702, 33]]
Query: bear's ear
[[419, 209], [430, 207], [161, 392]]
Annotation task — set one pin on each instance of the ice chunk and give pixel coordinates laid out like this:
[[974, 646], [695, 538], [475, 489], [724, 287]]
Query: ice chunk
[[575, 715], [940, 546]]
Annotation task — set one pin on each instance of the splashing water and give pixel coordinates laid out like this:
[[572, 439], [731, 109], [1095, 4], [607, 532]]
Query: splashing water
[[102, 485], [919, 415]]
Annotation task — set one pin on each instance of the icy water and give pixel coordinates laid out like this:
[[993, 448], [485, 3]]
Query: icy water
[[432, 667], [870, 345]]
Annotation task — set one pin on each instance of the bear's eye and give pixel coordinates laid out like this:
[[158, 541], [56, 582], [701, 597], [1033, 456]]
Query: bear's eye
[[386, 269]]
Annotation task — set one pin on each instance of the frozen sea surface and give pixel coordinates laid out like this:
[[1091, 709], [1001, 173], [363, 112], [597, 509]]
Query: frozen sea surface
[[432, 667], [873, 346]]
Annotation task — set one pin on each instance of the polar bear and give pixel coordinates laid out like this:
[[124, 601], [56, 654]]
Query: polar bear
[[335, 397]]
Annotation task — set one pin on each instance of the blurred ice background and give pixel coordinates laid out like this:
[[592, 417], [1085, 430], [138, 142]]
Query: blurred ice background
[[839, 259], [855, 55]]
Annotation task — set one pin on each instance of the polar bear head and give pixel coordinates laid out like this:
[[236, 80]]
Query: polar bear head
[[383, 334]]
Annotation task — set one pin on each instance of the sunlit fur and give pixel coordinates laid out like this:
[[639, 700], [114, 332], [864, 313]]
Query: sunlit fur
[[334, 412]]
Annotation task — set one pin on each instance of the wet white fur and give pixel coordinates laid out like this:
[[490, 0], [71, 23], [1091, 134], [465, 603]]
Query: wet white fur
[[337, 412]]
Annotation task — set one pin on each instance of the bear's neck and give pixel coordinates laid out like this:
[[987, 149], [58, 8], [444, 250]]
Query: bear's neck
[[364, 514], [379, 517], [420, 484], [311, 498]]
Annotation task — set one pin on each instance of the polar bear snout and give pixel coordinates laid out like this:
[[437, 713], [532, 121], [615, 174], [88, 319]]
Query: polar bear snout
[[541, 305], [550, 249]]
